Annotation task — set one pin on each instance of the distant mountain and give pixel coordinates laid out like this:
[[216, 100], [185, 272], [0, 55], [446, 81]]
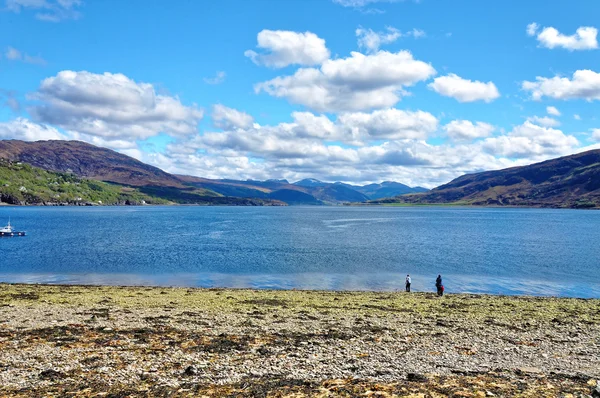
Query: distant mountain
[[91, 162], [294, 197], [388, 189], [570, 181], [310, 183], [336, 193]]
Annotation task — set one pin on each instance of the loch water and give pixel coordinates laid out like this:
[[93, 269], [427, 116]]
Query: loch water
[[477, 250]]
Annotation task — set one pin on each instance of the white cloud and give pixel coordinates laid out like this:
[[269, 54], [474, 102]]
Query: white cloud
[[585, 38], [585, 84], [552, 111], [532, 29], [545, 121], [596, 135], [308, 125], [465, 130], [390, 124], [531, 141], [464, 90], [47, 10], [371, 40], [288, 48], [111, 106], [416, 33], [229, 118], [359, 82], [217, 79], [24, 129], [576, 117], [13, 54]]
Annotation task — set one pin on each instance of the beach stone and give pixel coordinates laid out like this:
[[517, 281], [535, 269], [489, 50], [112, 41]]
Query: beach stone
[[596, 391], [51, 374], [528, 369], [191, 371], [416, 377]]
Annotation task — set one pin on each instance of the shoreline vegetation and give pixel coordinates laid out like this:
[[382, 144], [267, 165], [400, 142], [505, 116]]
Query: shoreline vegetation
[[69, 340]]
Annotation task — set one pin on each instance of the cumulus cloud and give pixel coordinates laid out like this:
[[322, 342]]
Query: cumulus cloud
[[359, 82], [465, 130], [596, 135], [389, 124], [47, 10], [12, 54], [531, 141], [26, 130], [285, 48], [217, 79], [356, 147], [229, 118], [551, 110], [585, 38], [464, 90], [585, 84], [371, 40], [545, 121], [307, 125], [111, 106], [576, 117]]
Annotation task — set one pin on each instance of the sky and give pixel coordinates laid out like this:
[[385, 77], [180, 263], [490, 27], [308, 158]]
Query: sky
[[358, 91]]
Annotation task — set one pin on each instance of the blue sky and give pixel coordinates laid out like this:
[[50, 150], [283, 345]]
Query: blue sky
[[352, 90]]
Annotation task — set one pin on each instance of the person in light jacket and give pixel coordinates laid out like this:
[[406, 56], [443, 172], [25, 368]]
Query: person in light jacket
[[408, 281]]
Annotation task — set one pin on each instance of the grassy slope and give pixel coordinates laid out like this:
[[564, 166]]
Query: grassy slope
[[22, 183]]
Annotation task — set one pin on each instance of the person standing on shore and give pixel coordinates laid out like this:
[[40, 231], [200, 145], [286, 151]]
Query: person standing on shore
[[439, 286], [408, 281]]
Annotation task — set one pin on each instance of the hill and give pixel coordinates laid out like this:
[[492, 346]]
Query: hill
[[571, 181], [87, 161], [23, 184]]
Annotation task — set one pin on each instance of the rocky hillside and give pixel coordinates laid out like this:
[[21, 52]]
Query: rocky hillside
[[570, 181]]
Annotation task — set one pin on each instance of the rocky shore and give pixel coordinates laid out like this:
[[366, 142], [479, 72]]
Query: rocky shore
[[85, 341]]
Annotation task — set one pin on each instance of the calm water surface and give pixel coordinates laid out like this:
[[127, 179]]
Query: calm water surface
[[500, 251]]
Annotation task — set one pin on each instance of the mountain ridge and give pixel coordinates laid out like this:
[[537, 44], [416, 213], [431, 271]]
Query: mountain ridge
[[92, 162], [571, 181]]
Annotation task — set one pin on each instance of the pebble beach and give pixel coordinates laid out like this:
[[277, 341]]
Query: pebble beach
[[104, 341]]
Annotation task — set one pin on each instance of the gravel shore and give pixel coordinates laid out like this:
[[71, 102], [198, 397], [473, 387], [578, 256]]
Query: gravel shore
[[176, 342]]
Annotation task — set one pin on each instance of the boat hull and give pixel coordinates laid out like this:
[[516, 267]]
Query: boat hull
[[11, 234]]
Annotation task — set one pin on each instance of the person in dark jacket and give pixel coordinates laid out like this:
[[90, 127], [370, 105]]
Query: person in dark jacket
[[439, 285]]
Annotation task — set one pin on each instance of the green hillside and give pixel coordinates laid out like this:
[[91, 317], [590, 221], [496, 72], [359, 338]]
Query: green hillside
[[21, 183]]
